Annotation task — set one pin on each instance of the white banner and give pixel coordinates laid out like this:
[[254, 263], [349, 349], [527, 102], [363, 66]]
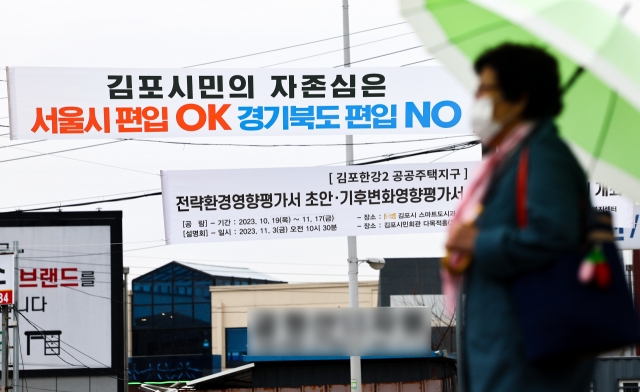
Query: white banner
[[259, 204], [339, 331], [64, 296], [100, 103]]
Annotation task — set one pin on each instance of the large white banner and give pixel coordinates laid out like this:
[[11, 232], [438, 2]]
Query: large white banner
[[259, 204], [85, 103], [64, 296]]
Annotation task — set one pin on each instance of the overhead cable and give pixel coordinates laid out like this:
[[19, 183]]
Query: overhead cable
[[382, 55], [337, 50], [75, 159], [292, 145], [293, 46], [416, 62], [387, 157], [454, 147]]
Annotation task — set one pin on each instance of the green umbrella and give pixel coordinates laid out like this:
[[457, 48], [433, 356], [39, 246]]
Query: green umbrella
[[599, 59]]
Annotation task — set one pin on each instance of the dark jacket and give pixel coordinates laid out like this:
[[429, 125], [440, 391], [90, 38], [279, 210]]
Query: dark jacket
[[492, 338]]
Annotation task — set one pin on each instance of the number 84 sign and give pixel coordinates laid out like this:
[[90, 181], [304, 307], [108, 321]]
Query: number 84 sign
[[7, 282]]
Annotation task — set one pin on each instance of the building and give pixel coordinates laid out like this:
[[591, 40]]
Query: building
[[171, 323], [190, 320]]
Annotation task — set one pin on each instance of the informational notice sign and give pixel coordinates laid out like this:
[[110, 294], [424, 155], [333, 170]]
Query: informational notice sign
[[90, 103], [607, 199], [259, 204], [7, 278], [629, 237]]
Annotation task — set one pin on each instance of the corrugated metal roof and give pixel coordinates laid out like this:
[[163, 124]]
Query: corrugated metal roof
[[219, 270]]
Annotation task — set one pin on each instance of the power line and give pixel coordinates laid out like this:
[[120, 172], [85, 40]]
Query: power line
[[81, 364], [54, 152], [387, 158], [80, 198], [416, 62], [79, 160], [22, 144], [293, 46], [94, 202], [382, 55], [337, 50], [33, 247], [292, 145], [22, 360], [455, 147]]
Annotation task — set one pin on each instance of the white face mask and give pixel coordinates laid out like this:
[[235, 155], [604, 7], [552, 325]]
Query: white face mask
[[484, 126]]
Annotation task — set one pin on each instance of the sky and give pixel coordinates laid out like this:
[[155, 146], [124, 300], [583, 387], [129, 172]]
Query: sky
[[170, 34]]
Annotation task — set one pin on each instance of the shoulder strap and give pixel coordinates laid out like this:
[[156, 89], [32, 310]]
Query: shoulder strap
[[521, 188]]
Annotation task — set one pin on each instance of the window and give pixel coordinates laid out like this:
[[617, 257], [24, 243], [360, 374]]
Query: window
[[629, 386], [174, 341], [142, 293], [236, 342], [171, 313]]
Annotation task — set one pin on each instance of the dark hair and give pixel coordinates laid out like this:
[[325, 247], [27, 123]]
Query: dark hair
[[526, 71]]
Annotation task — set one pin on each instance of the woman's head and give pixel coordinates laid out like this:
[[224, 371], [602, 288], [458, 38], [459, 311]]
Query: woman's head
[[522, 82]]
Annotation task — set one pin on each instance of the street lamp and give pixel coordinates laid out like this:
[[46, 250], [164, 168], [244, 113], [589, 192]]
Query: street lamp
[[377, 263]]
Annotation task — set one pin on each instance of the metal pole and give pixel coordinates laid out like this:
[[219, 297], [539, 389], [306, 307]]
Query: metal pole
[[16, 330], [5, 346], [356, 373], [125, 302], [459, 332]]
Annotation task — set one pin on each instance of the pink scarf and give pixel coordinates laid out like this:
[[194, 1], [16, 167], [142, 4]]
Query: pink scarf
[[471, 204]]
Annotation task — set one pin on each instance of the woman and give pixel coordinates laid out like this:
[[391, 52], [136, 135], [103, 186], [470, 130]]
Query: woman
[[516, 101]]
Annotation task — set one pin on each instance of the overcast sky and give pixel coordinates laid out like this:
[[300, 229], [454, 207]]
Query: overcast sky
[[165, 34]]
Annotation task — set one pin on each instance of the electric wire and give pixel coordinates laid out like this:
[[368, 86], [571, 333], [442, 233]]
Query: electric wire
[[34, 246], [293, 46], [75, 159], [453, 148], [93, 202], [416, 62], [22, 360], [382, 55], [54, 152], [81, 364], [22, 144], [150, 306], [294, 145], [387, 157], [337, 50], [81, 198]]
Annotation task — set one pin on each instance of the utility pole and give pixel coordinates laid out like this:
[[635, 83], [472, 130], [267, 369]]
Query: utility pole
[[125, 318], [10, 299], [5, 346], [356, 373], [16, 329]]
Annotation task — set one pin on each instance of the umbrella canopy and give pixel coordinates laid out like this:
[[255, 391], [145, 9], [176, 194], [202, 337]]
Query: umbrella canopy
[[599, 59]]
